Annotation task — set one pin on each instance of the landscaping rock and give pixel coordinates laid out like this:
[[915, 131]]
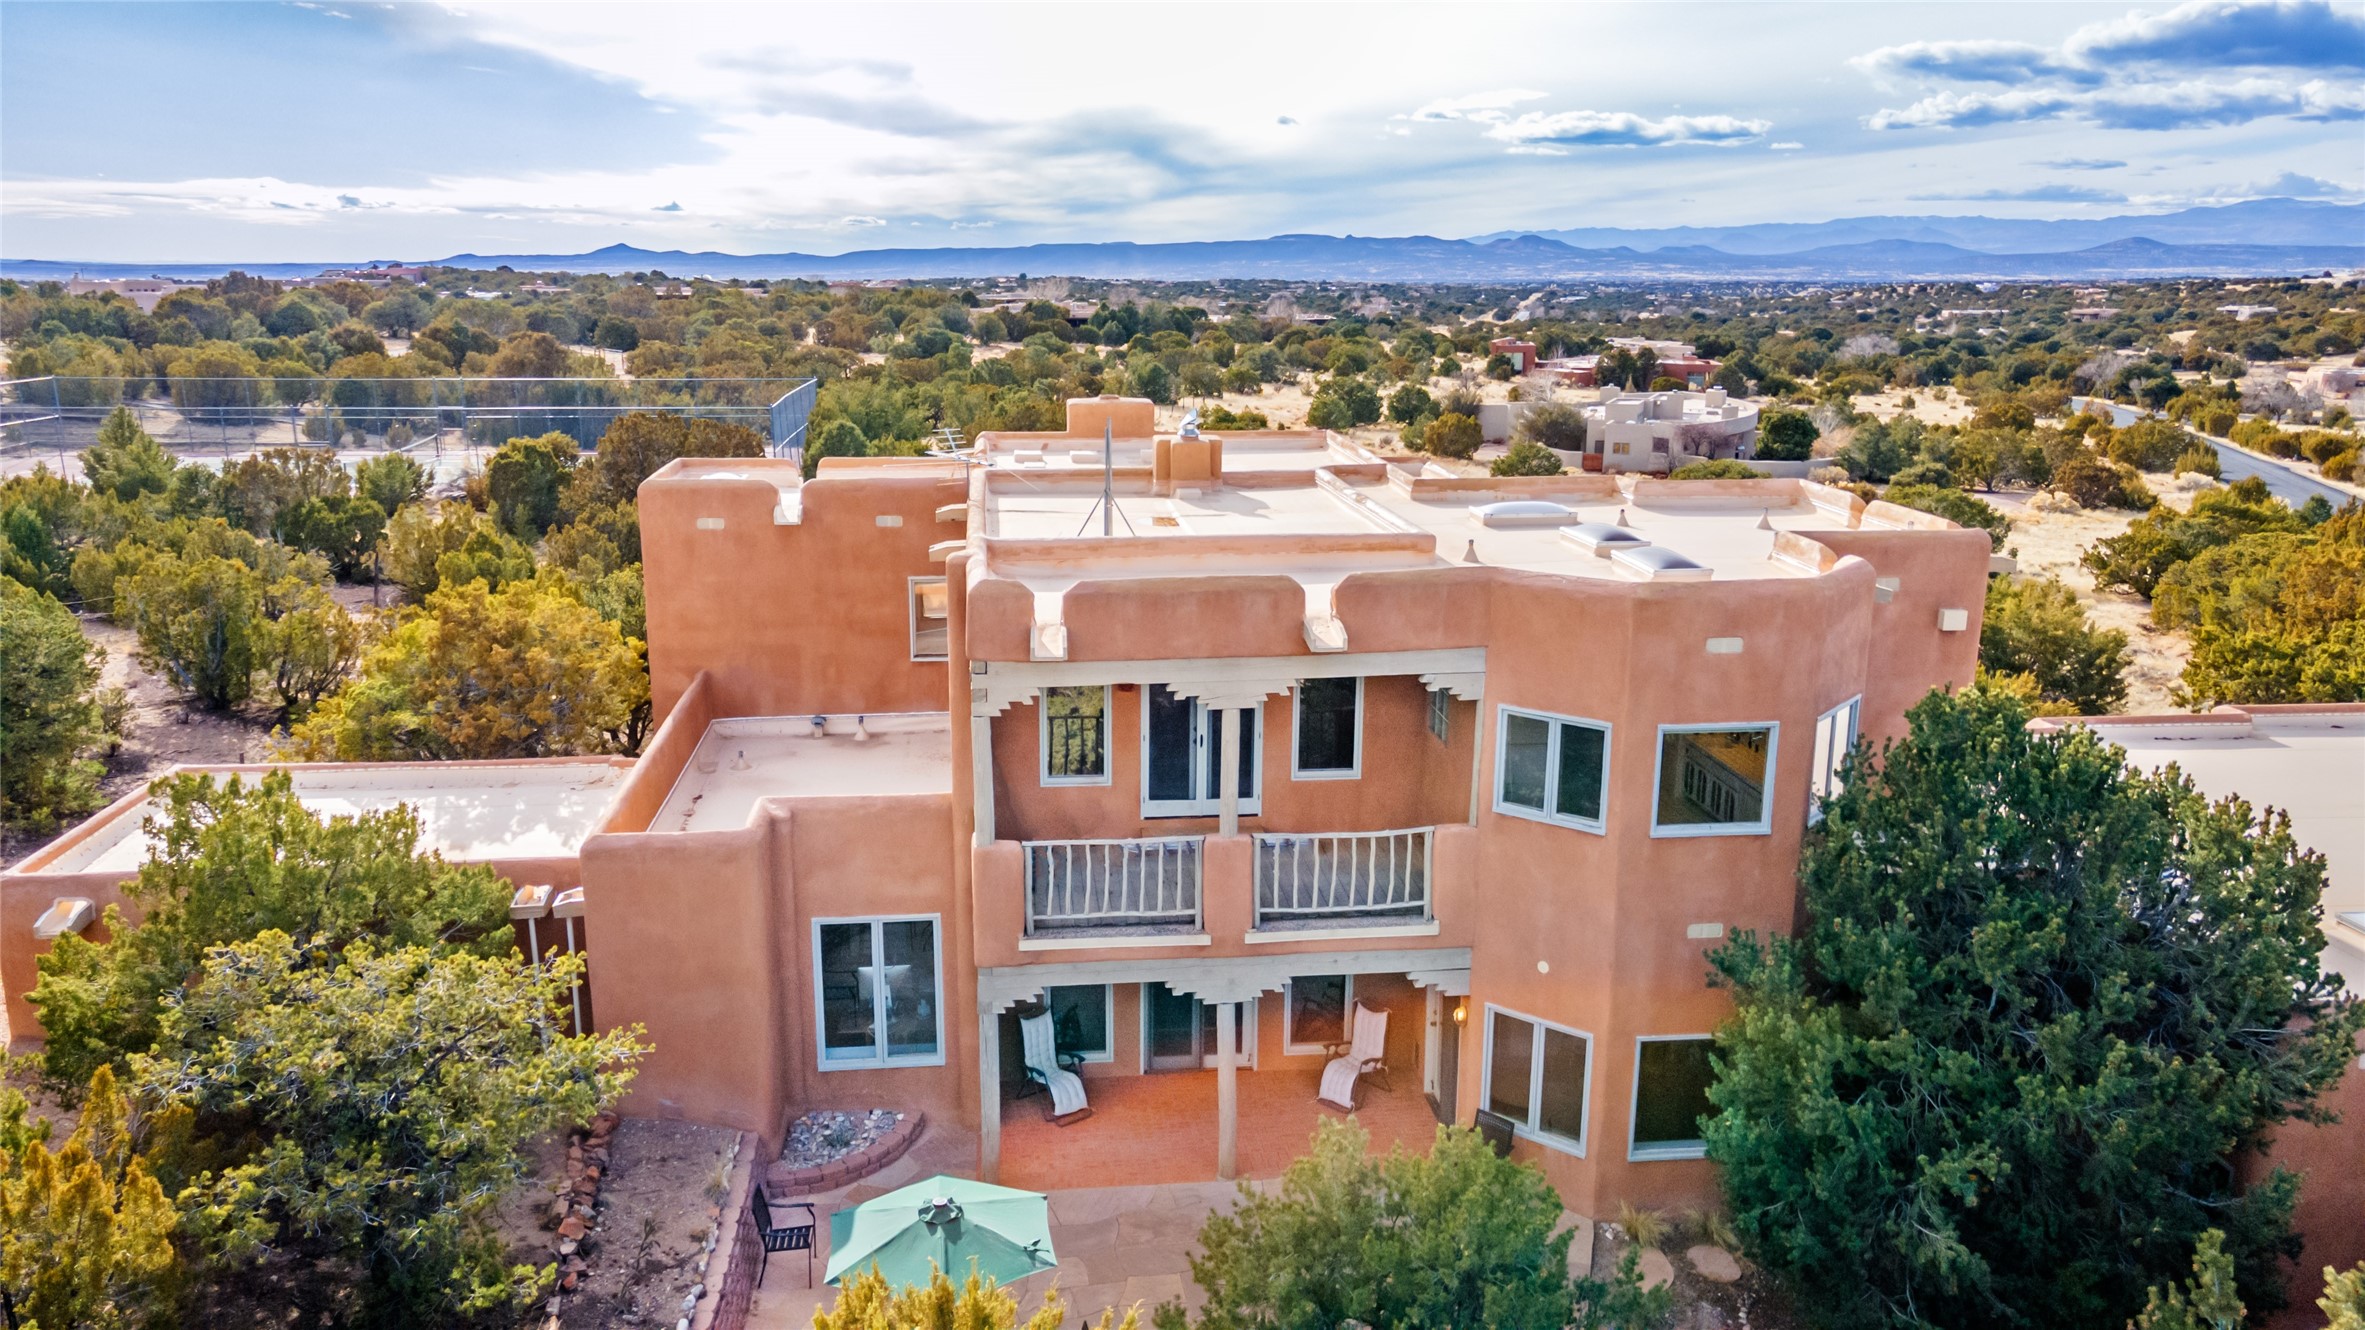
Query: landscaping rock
[[1714, 1264], [1657, 1270]]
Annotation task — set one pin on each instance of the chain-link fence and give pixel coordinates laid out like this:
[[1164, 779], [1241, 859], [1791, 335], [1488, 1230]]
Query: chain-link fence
[[198, 416]]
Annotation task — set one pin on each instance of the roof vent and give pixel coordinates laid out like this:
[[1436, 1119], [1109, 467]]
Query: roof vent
[[1601, 540]]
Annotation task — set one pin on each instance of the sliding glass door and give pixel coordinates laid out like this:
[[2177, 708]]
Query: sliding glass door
[[1182, 756]]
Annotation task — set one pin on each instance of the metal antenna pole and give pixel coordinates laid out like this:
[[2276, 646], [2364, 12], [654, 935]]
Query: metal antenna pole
[[1108, 477]]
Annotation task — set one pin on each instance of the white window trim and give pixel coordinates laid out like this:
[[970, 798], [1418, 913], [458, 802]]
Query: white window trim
[[1441, 715], [911, 614], [1296, 713], [1108, 1020], [1212, 805], [1669, 1150], [1598, 826], [1823, 781], [1108, 755], [1290, 1044], [879, 1056], [1535, 1080], [1763, 826]]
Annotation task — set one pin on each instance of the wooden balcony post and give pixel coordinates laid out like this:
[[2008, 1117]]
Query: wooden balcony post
[[1228, 770], [1227, 1088], [989, 1091]]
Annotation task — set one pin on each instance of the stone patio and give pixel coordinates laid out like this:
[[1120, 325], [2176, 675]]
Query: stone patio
[[1117, 1246]]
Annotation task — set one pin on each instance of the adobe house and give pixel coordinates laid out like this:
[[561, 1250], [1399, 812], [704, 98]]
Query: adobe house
[[1203, 741]]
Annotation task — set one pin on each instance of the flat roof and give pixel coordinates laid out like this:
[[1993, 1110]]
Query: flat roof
[[1730, 534], [2307, 761], [472, 811], [743, 759]]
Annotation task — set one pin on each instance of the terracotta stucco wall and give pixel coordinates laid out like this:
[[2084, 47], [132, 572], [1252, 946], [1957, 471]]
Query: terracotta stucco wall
[[792, 619]]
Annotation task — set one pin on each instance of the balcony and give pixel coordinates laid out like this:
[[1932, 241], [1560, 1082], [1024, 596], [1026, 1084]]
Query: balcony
[[1088, 888], [1334, 879]]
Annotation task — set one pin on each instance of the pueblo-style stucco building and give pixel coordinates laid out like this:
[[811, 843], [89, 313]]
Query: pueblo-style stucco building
[[1203, 742]]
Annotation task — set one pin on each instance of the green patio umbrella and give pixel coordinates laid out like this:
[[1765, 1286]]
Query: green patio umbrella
[[950, 1221]]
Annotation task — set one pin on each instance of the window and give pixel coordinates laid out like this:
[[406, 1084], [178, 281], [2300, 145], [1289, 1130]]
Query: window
[[1713, 780], [1671, 1077], [931, 639], [1440, 713], [1552, 769], [1329, 716], [1539, 1076], [1314, 1011], [1182, 755], [1835, 736], [875, 981], [1081, 1020], [1076, 735]]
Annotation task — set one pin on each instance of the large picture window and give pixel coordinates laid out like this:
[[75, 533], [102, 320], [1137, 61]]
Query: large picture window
[[1835, 737], [1081, 1020], [1329, 729], [1671, 1079], [1076, 735], [1552, 768], [1315, 1011], [1539, 1075], [876, 998], [1714, 780]]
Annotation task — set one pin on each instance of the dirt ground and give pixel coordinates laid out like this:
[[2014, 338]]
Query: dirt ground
[[657, 1203], [1929, 406], [163, 730], [2050, 544]]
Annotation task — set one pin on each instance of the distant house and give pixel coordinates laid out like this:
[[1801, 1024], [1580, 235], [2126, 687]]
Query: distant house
[[145, 292], [2245, 313], [1522, 354], [1658, 432], [2093, 313], [1676, 360]]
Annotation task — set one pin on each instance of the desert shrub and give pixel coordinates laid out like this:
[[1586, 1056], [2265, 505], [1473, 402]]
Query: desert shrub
[[1527, 459], [2036, 627], [1452, 435], [1955, 506], [2200, 459], [1721, 468], [2096, 482]]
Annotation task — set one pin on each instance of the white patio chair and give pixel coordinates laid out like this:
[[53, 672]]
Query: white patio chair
[[1366, 1054], [1043, 1066]]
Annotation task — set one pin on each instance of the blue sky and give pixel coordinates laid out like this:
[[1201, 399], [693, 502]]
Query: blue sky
[[331, 131]]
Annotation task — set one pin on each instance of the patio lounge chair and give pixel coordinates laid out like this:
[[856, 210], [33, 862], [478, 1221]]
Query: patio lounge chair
[[1045, 1067], [1366, 1054]]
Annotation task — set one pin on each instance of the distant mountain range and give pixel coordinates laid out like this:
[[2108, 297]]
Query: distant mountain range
[[2259, 238]]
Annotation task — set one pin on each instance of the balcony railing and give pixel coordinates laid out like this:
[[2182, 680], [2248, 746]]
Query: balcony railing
[[1353, 876], [1112, 885]]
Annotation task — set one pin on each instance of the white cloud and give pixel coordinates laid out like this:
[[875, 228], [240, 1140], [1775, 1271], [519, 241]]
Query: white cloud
[[861, 222], [2146, 71], [2153, 106], [1786, 146], [1624, 129]]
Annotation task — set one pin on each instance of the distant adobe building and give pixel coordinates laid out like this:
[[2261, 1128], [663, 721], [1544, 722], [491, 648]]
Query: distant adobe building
[[1676, 360]]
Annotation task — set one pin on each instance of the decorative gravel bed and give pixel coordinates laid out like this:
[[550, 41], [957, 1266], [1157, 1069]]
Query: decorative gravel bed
[[818, 1138], [831, 1147]]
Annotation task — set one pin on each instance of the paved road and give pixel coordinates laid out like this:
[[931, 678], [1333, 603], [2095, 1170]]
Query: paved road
[[2281, 481]]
